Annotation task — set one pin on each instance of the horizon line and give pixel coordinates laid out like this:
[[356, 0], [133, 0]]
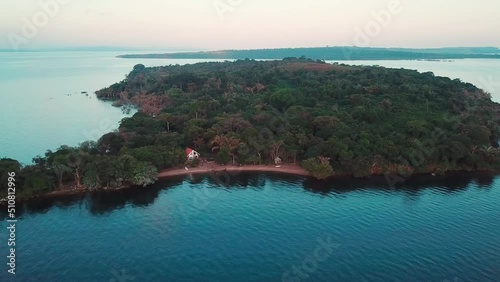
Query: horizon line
[[170, 49]]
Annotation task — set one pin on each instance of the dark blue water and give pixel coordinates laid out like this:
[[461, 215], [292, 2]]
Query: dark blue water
[[258, 227]]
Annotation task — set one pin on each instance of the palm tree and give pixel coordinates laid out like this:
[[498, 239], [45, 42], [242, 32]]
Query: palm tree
[[222, 141], [60, 167], [324, 160], [234, 144], [275, 148], [167, 118], [218, 142], [197, 143], [489, 151], [76, 162], [474, 149]]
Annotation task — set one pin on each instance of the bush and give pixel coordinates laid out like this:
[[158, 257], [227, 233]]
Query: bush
[[223, 157], [318, 169], [194, 163]]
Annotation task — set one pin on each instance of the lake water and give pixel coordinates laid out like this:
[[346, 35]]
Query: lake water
[[258, 227], [42, 106]]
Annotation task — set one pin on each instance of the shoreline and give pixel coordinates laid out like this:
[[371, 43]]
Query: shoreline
[[284, 169], [173, 172], [232, 170]]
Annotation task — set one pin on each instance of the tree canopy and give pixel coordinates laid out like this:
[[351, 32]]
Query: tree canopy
[[338, 119]]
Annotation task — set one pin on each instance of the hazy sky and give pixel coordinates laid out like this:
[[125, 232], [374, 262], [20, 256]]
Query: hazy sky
[[225, 24]]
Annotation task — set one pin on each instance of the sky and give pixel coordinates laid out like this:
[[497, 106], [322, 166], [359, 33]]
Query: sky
[[247, 24]]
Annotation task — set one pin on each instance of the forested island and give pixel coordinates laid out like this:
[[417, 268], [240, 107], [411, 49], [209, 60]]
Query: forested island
[[335, 53], [332, 119]]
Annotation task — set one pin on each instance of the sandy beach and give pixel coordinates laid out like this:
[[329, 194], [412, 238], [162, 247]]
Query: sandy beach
[[205, 168], [210, 168]]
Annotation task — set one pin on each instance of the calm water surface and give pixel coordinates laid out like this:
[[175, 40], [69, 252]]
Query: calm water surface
[[257, 227], [260, 227], [42, 106]]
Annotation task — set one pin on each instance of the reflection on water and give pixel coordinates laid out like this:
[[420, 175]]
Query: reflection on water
[[102, 202], [259, 227]]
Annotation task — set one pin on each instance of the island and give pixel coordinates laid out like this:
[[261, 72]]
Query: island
[[295, 115], [338, 53]]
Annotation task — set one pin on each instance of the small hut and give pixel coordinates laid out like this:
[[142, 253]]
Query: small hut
[[191, 154], [277, 161]]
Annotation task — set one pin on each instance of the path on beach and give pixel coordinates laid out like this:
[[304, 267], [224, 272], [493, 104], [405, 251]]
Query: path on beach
[[286, 169]]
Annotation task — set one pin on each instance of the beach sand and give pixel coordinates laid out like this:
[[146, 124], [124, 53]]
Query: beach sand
[[211, 168], [204, 168]]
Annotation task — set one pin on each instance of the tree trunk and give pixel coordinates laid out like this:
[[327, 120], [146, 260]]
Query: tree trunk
[[60, 181], [77, 178]]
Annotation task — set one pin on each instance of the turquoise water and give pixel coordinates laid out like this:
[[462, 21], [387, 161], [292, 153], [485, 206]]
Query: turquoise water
[[255, 227], [258, 227], [42, 106]]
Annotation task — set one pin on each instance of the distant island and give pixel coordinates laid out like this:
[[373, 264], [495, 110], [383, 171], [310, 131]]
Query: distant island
[[335, 53], [311, 117]]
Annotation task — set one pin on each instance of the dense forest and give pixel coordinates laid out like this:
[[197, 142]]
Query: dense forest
[[335, 53], [330, 118]]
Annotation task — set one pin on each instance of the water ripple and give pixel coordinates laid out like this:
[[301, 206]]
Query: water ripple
[[260, 232]]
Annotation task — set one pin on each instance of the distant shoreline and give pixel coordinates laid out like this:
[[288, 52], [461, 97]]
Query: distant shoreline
[[339, 53]]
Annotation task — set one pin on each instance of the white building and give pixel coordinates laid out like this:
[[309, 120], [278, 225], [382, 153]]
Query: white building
[[191, 154]]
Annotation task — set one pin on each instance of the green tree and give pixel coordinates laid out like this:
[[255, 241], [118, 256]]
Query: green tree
[[223, 156], [283, 98], [110, 143], [7, 166], [231, 144], [144, 174], [35, 180], [319, 167], [60, 167], [91, 178], [168, 119], [76, 161]]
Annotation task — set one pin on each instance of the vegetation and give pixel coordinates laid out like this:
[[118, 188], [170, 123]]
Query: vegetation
[[332, 119], [336, 53], [319, 168]]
